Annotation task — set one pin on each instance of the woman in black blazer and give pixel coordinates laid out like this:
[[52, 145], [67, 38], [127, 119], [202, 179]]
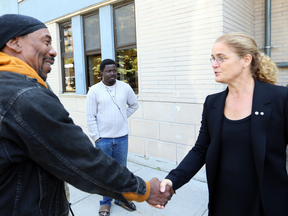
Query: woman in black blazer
[[243, 135]]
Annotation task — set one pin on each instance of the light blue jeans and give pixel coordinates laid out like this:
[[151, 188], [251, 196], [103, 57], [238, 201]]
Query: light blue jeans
[[116, 148]]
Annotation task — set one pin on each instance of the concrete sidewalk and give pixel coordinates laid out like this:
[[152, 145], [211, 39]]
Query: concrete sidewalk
[[190, 200]]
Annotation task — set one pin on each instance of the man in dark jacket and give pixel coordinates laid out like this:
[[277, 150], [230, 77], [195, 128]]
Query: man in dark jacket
[[40, 146]]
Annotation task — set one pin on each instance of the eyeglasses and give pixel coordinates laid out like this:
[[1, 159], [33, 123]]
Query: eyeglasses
[[220, 59]]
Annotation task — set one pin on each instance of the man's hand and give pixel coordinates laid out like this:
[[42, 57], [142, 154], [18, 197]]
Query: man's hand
[[158, 198], [164, 183]]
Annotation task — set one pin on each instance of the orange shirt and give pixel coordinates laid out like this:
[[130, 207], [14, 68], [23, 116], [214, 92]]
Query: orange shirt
[[136, 197], [16, 65]]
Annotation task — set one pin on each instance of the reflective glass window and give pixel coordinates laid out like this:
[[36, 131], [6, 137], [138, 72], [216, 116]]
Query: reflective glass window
[[92, 32], [67, 59], [125, 25]]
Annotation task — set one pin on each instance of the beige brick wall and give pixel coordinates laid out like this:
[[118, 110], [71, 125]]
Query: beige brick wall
[[174, 41], [279, 36], [174, 44], [259, 33], [279, 33], [279, 30], [238, 15]]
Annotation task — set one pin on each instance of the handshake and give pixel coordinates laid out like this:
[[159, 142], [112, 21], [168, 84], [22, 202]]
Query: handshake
[[160, 193]]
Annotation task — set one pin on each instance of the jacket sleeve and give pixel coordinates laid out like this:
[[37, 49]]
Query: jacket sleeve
[[195, 158], [44, 130]]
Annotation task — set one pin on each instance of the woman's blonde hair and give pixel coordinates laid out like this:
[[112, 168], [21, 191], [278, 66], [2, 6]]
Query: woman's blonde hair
[[262, 67]]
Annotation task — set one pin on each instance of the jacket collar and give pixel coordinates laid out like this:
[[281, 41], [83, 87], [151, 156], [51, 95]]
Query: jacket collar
[[215, 120], [16, 65], [260, 118]]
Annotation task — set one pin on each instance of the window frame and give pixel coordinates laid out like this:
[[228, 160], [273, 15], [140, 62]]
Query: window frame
[[63, 54], [92, 51], [127, 46]]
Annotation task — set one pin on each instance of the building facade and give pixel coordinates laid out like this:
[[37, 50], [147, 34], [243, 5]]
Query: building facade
[[162, 49]]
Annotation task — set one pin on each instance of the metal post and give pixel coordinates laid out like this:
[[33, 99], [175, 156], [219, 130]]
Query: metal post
[[282, 65], [268, 28]]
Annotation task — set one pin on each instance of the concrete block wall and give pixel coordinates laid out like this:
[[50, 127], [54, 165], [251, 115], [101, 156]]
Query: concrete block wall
[[76, 106], [162, 133]]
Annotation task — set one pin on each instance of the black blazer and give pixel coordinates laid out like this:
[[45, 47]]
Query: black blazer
[[269, 132]]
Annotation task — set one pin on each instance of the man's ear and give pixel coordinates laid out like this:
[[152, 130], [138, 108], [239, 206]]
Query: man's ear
[[14, 44]]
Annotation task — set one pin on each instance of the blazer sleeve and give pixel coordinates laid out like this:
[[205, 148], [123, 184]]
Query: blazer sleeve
[[195, 158]]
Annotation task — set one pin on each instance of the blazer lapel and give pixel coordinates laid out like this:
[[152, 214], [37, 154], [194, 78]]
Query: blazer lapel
[[260, 118], [216, 114]]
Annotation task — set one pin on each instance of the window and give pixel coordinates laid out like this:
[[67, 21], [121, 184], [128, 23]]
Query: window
[[67, 59], [92, 48], [125, 42]]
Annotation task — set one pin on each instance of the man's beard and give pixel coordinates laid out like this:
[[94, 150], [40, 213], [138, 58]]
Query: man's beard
[[41, 71], [112, 82], [41, 74]]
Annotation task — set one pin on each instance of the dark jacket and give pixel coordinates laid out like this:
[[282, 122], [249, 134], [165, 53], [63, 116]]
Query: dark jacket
[[269, 132], [40, 147]]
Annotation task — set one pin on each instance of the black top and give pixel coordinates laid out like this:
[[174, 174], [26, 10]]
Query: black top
[[237, 188]]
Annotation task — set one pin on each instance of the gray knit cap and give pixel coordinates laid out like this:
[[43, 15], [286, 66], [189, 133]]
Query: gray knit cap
[[14, 25]]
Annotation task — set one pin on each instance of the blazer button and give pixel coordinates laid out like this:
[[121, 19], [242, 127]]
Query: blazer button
[[261, 113], [256, 113]]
